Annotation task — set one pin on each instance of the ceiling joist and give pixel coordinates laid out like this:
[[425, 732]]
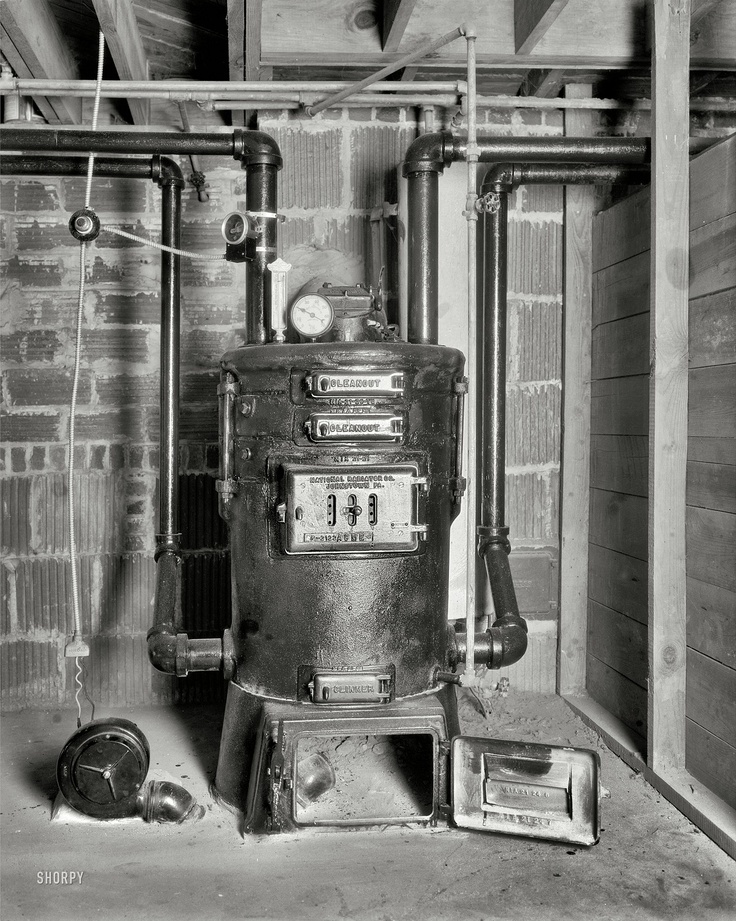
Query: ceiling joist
[[120, 27], [33, 44], [544, 84], [396, 15], [532, 19]]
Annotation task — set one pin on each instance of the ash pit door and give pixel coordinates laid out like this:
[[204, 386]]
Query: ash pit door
[[536, 791]]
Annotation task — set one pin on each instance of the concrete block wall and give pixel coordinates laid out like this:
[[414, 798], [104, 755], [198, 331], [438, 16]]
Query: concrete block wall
[[338, 168]]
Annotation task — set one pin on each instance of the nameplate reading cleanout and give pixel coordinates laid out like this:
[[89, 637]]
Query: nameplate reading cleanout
[[324, 384], [346, 428]]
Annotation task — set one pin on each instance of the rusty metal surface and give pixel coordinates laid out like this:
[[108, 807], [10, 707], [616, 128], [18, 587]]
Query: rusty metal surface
[[338, 610]]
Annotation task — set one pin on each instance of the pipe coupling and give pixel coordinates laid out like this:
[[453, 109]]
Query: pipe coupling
[[488, 537]]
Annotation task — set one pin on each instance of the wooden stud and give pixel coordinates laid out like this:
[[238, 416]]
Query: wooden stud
[[532, 19], [575, 474], [33, 43], [236, 49], [668, 386], [123, 38]]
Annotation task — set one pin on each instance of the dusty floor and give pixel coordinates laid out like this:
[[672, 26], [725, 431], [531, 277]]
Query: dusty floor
[[650, 862]]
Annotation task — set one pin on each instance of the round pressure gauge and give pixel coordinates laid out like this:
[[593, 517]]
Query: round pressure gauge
[[312, 315], [235, 227]]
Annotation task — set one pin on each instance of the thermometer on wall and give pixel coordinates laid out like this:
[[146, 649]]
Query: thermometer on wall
[[279, 270]]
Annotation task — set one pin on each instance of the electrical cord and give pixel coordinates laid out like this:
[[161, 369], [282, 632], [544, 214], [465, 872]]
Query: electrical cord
[[77, 638], [77, 645], [211, 257]]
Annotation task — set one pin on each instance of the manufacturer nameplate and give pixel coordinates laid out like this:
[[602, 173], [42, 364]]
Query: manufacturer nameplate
[[346, 428], [352, 509], [326, 384]]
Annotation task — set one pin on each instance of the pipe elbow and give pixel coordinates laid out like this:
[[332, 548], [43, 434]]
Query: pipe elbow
[[499, 178], [162, 650], [168, 803], [509, 640], [165, 171], [428, 153], [254, 147]]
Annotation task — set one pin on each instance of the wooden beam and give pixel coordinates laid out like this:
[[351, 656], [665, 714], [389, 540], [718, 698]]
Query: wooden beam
[[700, 9], [545, 84], [575, 474], [532, 19], [449, 61], [123, 38], [668, 349], [244, 25], [236, 48], [252, 45], [33, 43], [396, 15]]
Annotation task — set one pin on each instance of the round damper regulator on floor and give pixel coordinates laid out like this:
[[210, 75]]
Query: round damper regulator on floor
[[102, 767]]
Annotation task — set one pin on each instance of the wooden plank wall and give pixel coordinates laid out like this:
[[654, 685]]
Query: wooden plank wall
[[617, 565], [617, 574], [711, 474]]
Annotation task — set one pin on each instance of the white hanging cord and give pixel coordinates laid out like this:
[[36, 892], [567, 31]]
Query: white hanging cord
[[77, 638], [210, 257]]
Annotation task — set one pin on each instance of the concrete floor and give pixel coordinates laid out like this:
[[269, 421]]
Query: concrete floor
[[650, 862]]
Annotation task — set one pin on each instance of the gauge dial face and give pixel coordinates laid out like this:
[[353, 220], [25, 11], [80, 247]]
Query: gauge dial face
[[235, 227], [311, 315]]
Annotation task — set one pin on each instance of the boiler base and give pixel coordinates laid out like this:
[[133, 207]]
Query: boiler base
[[287, 765]]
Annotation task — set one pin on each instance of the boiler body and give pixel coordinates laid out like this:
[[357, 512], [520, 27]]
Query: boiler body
[[339, 483]]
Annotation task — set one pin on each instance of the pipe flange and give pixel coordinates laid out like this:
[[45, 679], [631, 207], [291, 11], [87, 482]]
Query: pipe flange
[[84, 225]]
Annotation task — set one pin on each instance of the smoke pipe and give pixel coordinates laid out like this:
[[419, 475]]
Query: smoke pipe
[[428, 156], [506, 641]]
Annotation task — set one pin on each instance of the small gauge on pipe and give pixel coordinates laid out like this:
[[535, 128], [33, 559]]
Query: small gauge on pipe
[[312, 315], [240, 238], [235, 227]]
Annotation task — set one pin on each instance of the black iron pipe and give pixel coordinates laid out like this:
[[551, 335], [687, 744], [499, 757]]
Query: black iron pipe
[[510, 175], [431, 153], [168, 538], [508, 633], [250, 147], [423, 273], [261, 201]]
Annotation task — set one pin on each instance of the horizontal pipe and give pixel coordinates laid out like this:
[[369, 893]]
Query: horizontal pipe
[[247, 146], [215, 87], [15, 165], [503, 175], [304, 92]]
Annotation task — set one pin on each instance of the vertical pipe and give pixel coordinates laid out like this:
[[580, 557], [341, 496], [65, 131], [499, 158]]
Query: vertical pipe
[[261, 201], [168, 537], [494, 364], [422, 256], [471, 216]]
